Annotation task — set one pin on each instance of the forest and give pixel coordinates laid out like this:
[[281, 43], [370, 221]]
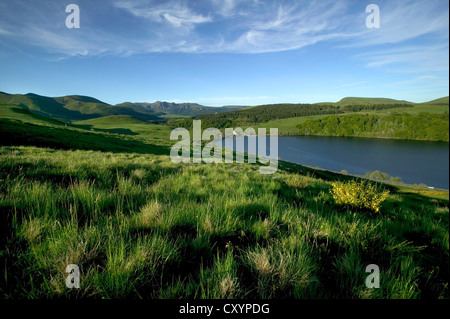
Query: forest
[[423, 126]]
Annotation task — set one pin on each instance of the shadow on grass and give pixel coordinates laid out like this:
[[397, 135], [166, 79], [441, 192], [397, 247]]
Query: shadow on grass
[[88, 127], [192, 255], [411, 201], [253, 210], [15, 132]]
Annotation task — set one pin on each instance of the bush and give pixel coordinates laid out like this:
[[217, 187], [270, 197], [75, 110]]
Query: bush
[[382, 177], [360, 195]]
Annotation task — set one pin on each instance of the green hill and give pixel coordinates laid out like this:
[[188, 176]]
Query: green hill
[[369, 101], [442, 100], [77, 98], [19, 113], [41, 105], [73, 108]]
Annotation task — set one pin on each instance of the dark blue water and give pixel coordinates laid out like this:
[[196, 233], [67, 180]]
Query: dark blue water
[[412, 161]]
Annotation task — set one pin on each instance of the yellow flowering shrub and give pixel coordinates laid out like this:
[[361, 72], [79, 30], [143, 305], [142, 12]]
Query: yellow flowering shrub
[[359, 194]]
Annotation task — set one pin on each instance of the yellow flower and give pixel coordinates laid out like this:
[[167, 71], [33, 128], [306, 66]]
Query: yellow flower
[[360, 195]]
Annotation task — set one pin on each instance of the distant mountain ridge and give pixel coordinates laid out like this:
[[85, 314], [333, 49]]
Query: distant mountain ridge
[[185, 109], [78, 107]]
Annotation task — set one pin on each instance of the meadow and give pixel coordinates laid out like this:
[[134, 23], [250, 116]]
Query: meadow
[[140, 226]]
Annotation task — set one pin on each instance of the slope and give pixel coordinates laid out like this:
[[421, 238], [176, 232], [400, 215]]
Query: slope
[[73, 108], [128, 125]]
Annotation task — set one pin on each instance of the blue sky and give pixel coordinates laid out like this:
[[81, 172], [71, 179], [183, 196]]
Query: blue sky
[[228, 52]]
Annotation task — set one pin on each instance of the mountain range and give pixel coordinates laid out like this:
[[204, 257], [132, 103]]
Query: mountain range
[[77, 107], [73, 108], [184, 109]]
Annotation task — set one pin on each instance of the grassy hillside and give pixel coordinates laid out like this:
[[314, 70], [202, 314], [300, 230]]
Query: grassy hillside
[[41, 105], [140, 226], [72, 108], [415, 109], [113, 120], [19, 113], [442, 100], [129, 125], [369, 101], [19, 126], [15, 132]]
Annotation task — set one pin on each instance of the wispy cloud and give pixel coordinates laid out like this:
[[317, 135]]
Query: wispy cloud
[[234, 26], [404, 20], [289, 26], [424, 58], [175, 13], [4, 32]]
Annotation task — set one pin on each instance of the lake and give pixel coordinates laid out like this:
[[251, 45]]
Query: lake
[[412, 161]]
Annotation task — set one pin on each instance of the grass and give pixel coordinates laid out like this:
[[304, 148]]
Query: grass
[[287, 126], [8, 111], [128, 125], [16, 132], [21, 127], [140, 226], [419, 108], [113, 120]]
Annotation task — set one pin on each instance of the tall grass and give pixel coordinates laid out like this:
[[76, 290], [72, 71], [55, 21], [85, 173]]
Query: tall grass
[[139, 226]]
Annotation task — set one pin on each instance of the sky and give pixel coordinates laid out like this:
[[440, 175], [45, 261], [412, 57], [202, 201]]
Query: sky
[[226, 52]]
